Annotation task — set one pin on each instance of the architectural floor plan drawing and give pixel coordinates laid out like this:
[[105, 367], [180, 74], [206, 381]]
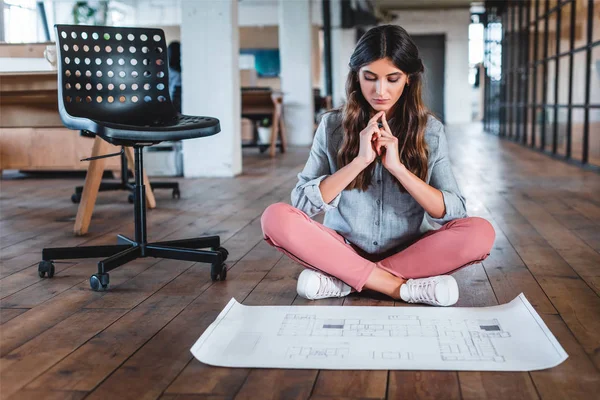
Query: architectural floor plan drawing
[[457, 340], [509, 337]]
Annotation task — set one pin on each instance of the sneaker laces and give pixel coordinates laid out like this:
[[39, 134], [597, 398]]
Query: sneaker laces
[[329, 286], [422, 291]]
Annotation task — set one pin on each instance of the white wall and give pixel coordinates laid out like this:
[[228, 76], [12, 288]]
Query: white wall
[[295, 46], [212, 28], [157, 12], [121, 12], [2, 21], [343, 42], [250, 12], [455, 25], [266, 12]]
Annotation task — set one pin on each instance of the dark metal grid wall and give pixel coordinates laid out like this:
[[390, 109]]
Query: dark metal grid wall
[[513, 108]]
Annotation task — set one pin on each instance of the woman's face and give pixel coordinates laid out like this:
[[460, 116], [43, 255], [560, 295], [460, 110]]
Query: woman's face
[[382, 84]]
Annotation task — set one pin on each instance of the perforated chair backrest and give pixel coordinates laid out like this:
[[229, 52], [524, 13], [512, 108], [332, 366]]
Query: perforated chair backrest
[[115, 75]]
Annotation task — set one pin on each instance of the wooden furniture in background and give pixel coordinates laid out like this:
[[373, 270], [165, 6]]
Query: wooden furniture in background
[[93, 178], [278, 124], [23, 50], [260, 103], [32, 138]]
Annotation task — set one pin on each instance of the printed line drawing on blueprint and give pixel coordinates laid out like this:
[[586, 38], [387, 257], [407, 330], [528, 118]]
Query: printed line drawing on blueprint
[[458, 340], [306, 353], [392, 355]]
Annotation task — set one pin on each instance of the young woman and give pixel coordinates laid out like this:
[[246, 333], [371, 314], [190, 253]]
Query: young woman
[[377, 167]]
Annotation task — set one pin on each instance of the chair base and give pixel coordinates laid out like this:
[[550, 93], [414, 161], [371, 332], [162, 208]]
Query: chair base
[[127, 250]]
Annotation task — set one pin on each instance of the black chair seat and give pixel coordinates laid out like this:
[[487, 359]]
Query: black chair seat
[[178, 128]]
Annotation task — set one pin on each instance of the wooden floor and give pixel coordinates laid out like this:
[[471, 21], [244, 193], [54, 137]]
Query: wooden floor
[[60, 340]]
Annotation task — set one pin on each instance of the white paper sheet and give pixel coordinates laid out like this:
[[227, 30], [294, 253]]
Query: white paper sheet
[[508, 337]]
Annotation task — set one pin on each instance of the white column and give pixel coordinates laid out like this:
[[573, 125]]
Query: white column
[[211, 85], [2, 27], [296, 70], [343, 42]]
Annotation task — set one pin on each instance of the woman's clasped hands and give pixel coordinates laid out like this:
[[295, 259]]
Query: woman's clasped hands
[[377, 140]]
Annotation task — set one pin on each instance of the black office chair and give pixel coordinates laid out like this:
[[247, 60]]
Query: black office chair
[[113, 82], [124, 183]]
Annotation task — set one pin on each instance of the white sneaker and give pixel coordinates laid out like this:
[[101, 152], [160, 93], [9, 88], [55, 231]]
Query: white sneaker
[[314, 285], [436, 291]]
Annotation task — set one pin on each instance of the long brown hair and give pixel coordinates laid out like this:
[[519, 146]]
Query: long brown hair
[[409, 113]]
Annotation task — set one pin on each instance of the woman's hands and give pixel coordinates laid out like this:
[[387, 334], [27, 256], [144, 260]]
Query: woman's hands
[[377, 140], [387, 147], [368, 136]]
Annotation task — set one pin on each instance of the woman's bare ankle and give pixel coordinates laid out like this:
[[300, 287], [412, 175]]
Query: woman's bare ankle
[[384, 282]]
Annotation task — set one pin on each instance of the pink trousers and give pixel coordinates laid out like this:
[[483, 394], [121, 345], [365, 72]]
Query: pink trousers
[[456, 244]]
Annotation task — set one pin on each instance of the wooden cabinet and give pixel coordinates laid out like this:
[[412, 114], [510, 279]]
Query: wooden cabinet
[[32, 137], [48, 149]]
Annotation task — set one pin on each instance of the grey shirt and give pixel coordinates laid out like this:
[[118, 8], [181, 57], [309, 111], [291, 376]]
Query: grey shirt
[[382, 218]]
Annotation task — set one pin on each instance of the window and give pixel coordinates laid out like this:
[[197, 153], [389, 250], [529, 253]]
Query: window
[[21, 22], [545, 93]]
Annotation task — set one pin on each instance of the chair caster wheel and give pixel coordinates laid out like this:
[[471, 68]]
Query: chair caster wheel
[[176, 194], [46, 267], [130, 198], [218, 272], [223, 251], [76, 198], [99, 282]]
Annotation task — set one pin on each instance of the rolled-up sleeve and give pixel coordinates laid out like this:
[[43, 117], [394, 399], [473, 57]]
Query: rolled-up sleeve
[[443, 179], [306, 196]]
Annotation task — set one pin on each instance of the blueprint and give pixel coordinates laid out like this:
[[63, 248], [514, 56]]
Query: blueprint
[[508, 337]]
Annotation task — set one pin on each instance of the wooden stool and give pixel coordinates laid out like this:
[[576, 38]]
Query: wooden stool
[[92, 184]]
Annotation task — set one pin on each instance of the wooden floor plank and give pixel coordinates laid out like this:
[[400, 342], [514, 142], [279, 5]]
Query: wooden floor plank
[[25, 363], [6, 314], [583, 259], [585, 206], [277, 287], [576, 302], [42, 394], [18, 263], [107, 350], [591, 236], [32, 323], [225, 228], [192, 397], [150, 371], [576, 378], [423, 385], [67, 275], [508, 274], [119, 298], [497, 385]]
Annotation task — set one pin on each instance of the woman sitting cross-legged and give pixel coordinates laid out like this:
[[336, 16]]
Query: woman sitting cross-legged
[[377, 166]]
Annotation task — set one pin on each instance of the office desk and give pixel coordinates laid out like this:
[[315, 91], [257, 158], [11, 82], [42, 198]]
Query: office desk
[[33, 138]]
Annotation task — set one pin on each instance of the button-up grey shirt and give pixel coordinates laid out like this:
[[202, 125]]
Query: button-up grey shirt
[[381, 218]]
